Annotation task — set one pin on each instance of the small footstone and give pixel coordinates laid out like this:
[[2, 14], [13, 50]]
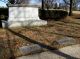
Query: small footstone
[[31, 49], [66, 41]]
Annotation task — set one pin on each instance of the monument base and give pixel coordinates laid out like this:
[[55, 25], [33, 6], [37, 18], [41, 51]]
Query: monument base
[[26, 23], [23, 23], [24, 16]]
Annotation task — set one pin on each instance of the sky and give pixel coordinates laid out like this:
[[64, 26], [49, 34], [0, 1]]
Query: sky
[[2, 4], [32, 1]]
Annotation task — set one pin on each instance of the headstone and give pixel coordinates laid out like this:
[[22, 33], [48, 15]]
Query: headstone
[[30, 49], [24, 16], [66, 41]]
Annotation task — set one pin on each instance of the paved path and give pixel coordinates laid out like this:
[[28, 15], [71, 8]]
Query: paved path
[[70, 52]]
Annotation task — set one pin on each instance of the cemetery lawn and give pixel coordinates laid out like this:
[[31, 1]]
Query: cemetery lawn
[[48, 35]]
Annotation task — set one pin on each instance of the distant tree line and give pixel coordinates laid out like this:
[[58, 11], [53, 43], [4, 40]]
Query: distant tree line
[[18, 1], [71, 4]]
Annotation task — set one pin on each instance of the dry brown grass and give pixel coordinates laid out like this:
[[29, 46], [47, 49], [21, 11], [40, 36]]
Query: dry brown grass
[[76, 14], [55, 30]]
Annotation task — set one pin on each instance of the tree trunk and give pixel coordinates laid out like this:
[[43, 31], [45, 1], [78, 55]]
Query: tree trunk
[[70, 12], [42, 4]]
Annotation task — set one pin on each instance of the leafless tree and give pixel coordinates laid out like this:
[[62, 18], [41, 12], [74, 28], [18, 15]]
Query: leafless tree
[[47, 3], [22, 1], [70, 3], [11, 1], [19, 1]]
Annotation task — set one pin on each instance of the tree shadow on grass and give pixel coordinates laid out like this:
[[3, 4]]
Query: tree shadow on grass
[[43, 45]]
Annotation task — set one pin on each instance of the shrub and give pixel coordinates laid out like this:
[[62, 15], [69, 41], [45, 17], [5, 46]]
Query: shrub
[[3, 13], [52, 14]]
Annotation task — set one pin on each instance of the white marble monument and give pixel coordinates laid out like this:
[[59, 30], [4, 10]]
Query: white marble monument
[[24, 16]]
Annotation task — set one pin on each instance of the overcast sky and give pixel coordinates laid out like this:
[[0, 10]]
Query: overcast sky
[[32, 1]]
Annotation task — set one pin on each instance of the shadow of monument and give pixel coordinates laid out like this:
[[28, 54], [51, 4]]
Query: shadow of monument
[[51, 49]]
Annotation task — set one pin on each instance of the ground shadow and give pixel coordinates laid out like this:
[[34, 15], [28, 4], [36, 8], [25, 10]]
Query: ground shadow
[[43, 45], [0, 24]]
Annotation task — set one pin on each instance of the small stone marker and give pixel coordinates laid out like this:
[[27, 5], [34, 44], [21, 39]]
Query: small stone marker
[[66, 41], [31, 49]]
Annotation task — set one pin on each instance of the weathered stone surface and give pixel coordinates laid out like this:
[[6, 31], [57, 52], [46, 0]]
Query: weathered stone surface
[[66, 41], [26, 23], [64, 53], [30, 49], [28, 16]]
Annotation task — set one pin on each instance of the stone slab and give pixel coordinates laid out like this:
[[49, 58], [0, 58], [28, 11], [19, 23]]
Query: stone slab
[[70, 51], [30, 49], [65, 41]]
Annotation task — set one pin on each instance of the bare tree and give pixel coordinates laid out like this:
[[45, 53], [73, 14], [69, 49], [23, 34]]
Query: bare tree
[[47, 3], [19, 1], [22, 1], [11, 1], [70, 3]]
